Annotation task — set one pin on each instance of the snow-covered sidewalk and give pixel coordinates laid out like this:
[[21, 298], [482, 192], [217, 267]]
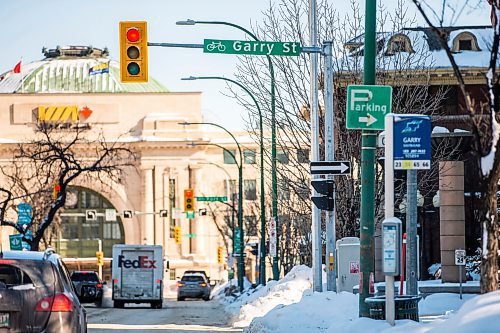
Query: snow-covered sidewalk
[[289, 305]]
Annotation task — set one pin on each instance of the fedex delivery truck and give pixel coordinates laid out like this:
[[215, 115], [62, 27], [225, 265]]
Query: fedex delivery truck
[[137, 272]]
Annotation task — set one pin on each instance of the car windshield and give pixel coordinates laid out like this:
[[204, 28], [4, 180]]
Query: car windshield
[[193, 278], [84, 277]]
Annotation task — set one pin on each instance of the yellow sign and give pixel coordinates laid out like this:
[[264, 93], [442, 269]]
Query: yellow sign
[[62, 113]]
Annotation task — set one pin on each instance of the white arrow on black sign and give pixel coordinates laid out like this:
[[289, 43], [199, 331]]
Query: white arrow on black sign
[[331, 168]]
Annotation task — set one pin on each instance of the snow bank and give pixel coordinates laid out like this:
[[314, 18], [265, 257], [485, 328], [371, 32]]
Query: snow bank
[[328, 312], [258, 302]]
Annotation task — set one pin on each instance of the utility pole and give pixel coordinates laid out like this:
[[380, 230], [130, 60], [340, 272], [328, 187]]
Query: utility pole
[[316, 213], [331, 284], [368, 148]]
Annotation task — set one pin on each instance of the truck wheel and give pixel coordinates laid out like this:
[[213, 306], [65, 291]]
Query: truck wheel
[[118, 304], [179, 298]]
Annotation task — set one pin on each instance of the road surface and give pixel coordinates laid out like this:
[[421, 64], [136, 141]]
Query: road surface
[[188, 316]]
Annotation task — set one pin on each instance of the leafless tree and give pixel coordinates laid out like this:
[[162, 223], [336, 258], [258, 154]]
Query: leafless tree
[[484, 122], [57, 157], [286, 20]]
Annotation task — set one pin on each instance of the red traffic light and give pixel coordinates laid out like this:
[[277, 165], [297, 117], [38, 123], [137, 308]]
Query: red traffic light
[[133, 35], [188, 193], [57, 187]]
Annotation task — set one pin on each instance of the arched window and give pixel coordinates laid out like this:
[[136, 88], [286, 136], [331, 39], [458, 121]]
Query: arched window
[[399, 43], [80, 238], [465, 41]]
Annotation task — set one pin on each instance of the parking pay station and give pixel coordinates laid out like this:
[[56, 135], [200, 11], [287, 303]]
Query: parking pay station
[[391, 246], [348, 263]]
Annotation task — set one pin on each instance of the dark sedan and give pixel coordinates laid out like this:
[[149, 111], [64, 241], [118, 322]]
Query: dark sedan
[[36, 294]]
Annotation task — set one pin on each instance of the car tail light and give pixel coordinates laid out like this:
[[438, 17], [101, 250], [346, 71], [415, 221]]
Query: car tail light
[[6, 261], [203, 284], [58, 303], [180, 284], [62, 303], [99, 285]]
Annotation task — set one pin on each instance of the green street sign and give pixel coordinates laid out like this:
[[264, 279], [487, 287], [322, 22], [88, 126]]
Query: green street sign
[[190, 215], [367, 106], [211, 199], [251, 47], [16, 242]]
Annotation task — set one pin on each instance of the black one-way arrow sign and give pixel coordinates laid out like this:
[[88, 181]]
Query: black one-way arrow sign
[[330, 168]]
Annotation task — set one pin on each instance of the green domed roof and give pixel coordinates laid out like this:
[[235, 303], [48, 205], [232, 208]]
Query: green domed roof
[[66, 70]]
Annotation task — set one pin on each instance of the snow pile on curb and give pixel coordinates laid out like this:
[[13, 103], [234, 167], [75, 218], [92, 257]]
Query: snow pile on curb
[[328, 312], [315, 312], [276, 293]]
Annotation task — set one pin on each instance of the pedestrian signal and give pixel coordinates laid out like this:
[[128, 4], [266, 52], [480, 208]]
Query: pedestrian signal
[[220, 255], [133, 51], [189, 200], [177, 235]]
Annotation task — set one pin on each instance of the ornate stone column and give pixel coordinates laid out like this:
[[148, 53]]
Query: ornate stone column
[[452, 217], [159, 222]]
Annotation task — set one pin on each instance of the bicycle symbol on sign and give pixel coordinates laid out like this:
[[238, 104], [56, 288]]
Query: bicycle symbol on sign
[[216, 46]]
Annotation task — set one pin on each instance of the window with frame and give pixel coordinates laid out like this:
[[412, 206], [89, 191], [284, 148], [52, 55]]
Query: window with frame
[[251, 225], [228, 158], [282, 156], [249, 156], [303, 155], [250, 189], [232, 189], [171, 205], [284, 189]]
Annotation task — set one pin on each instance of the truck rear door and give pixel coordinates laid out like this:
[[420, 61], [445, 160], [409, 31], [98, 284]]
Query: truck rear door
[[137, 273]]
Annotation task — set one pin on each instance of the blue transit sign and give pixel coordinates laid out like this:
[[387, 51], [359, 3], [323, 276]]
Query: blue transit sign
[[412, 142], [24, 213]]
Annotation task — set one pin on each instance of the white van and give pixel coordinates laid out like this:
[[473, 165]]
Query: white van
[[137, 272]]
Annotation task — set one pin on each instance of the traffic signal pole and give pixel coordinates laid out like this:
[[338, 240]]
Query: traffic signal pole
[[368, 148]]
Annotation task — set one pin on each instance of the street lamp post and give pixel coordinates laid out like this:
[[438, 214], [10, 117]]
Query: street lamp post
[[274, 184], [262, 272], [241, 264]]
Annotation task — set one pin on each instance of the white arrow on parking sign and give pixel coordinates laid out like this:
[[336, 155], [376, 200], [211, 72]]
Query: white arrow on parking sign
[[369, 119]]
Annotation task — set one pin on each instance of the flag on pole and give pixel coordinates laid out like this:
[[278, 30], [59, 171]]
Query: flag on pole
[[17, 68]]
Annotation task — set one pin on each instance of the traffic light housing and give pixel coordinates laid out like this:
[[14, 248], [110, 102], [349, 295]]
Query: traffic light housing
[[133, 51], [100, 258], [189, 200], [55, 191], [220, 254], [324, 187], [177, 235]]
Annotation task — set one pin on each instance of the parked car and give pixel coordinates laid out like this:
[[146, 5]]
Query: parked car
[[193, 286], [37, 295], [88, 286]]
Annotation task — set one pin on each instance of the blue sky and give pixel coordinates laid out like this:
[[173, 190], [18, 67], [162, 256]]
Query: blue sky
[[29, 25]]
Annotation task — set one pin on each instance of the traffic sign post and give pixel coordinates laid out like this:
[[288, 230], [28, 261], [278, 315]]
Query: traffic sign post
[[330, 168], [90, 215], [460, 262], [367, 106], [251, 47], [16, 242]]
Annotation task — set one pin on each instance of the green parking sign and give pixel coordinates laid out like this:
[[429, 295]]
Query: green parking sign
[[367, 106]]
